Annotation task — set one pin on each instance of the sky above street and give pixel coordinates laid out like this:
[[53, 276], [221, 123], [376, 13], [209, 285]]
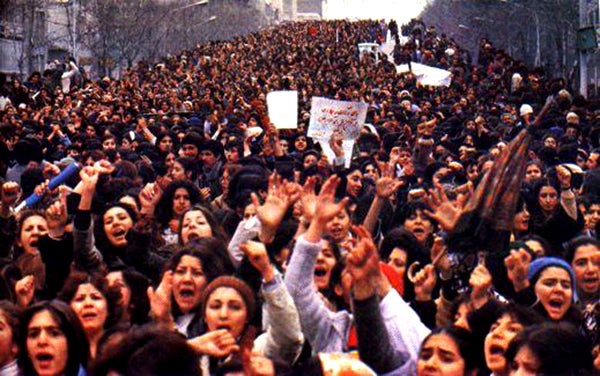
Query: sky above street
[[400, 10]]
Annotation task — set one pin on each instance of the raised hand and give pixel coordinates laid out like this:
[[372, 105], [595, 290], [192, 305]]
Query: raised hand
[[280, 196], [256, 253], [328, 208], [480, 282], [564, 177], [57, 216], [363, 265], [387, 184], [517, 267], [10, 194], [149, 197], [104, 167], [24, 290], [217, 343], [89, 178], [445, 212], [160, 299], [308, 199], [424, 281]]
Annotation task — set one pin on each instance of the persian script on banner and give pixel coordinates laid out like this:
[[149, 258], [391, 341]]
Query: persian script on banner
[[328, 116]]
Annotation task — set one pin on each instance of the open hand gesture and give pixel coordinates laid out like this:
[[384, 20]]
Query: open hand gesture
[[445, 212]]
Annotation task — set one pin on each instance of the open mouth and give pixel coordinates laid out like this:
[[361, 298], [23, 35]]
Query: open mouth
[[186, 292], [193, 235], [496, 350], [556, 303], [44, 359], [320, 271], [224, 326], [89, 316], [120, 232]]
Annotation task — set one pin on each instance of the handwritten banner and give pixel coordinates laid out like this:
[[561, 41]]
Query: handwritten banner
[[328, 116]]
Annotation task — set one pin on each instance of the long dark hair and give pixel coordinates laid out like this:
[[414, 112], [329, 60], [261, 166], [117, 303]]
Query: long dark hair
[[77, 344]]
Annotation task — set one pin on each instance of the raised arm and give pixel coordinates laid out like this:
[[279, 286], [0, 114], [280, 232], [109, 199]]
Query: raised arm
[[316, 319], [283, 340]]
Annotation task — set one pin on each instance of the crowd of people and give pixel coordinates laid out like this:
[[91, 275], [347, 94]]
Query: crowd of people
[[190, 243]]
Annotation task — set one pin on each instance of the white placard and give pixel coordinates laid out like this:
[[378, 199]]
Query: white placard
[[283, 109]]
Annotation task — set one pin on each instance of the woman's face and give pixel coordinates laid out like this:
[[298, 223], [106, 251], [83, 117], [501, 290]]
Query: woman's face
[[91, 307], [32, 230], [354, 184], [532, 172], [177, 172], [226, 309], [521, 220], [554, 291], [194, 225], [181, 202], [300, 143], [325, 262], [339, 226], [188, 283], [115, 280], [8, 346], [525, 363], [109, 144], [47, 347], [165, 144], [548, 199], [586, 265], [371, 172], [170, 160], [398, 261], [550, 142], [497, 341], [440, 356], [461, 316], [420, 225], [117, 224]]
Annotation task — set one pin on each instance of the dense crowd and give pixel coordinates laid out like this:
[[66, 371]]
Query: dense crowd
[[190, 243]]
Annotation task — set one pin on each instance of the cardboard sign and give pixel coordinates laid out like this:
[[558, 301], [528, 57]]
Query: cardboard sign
[[283, 109], [328, 116]]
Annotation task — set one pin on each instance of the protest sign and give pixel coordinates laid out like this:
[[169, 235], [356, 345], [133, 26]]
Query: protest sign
[[372, 48], [426, 75], [283, 109], [328, 116]]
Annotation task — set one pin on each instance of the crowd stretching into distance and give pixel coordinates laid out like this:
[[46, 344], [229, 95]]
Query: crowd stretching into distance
[[188, 245]]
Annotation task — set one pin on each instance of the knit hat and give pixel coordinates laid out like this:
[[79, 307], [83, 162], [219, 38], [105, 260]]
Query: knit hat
[[538, 265], [237, 284]]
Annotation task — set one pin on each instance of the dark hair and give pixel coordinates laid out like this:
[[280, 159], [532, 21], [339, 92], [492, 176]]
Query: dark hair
[[77, 344], [463, 340], [150, 350], [164, 209], [217, 230], [400, 237], [559, 348], [112, 295], [577, 242], [139, 305], [12, 314], [189, 165]]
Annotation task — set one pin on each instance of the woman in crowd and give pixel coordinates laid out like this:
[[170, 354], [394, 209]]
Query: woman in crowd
[[53, 341], [95, 304]]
